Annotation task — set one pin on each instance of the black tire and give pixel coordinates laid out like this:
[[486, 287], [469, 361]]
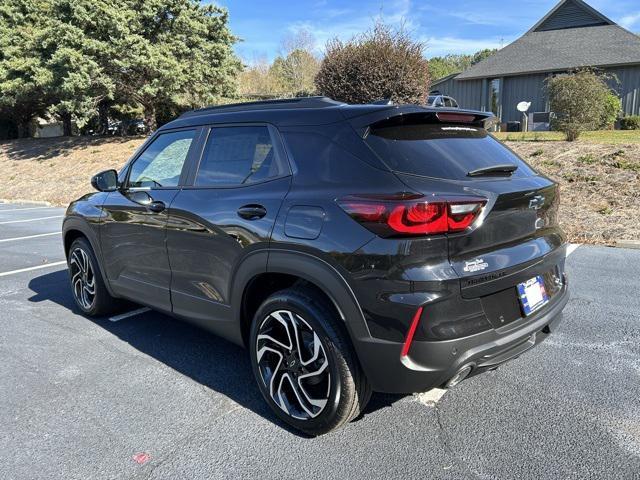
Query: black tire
[[101, 302], [347, 389]]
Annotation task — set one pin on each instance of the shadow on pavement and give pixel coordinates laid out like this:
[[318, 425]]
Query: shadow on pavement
[[209, 360]]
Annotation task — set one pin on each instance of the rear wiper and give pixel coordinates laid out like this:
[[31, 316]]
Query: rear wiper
[[506, 169]]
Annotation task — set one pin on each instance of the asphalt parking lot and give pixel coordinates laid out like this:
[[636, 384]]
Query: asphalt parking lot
[[146, 396]]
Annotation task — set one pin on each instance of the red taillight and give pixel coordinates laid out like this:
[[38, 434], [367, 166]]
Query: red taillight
[[412, 331], [455, 117], [397, 215], [368, 212], [419, 218]]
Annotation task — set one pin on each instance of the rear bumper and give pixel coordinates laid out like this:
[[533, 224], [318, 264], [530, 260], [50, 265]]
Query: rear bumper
[[432, 363]]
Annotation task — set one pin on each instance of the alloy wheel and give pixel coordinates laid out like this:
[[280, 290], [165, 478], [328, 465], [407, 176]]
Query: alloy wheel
[[293, 365], [82, 278]]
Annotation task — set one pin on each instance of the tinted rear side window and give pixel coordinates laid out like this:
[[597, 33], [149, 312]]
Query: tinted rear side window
[[239, 155], [441, 150]]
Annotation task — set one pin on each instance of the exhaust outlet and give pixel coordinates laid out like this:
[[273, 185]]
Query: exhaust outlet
[[459, 376]]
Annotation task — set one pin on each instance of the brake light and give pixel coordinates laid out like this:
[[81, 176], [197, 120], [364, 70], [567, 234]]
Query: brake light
[[399, 215], [455, 117]]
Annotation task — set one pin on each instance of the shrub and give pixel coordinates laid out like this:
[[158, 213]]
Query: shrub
[[612, 109], [579, 102], [537, 153], [381, 63], [589, 159], [630, 123]]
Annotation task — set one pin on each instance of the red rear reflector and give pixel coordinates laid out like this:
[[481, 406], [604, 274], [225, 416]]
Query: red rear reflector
[[399, 215], [411, 332], [455, 117]]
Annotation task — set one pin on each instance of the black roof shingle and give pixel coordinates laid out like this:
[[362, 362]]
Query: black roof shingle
[[560, 50]]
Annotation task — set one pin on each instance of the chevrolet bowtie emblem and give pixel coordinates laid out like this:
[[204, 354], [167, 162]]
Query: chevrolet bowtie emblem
[[536, 202]]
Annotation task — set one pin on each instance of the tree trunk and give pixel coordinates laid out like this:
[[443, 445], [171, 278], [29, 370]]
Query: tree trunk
[[22, 125], [150, 117], [103, 118], [66, 124]]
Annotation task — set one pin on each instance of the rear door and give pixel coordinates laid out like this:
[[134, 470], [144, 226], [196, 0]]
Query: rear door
[[227, 210]]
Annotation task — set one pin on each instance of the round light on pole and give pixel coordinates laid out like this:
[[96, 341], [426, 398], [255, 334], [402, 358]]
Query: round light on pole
[[523, 106]]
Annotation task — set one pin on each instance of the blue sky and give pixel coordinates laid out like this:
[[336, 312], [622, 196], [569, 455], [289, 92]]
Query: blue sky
[[456, 26]]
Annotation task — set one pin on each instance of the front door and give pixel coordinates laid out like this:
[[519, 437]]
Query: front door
[[228, 211], [133, 232]]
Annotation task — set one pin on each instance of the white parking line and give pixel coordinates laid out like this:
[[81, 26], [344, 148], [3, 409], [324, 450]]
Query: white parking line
[[37, 267], [29, 236], [572, 247], [132, 313], [31, 219], [21, 209]]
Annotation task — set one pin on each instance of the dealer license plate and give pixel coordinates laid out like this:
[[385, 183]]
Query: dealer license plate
[[532, 294]]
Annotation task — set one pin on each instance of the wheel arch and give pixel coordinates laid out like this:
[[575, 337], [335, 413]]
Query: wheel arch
[[74, 228], [283, 268]]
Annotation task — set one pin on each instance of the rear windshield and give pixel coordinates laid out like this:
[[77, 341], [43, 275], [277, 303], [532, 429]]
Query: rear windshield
[[440, 150]]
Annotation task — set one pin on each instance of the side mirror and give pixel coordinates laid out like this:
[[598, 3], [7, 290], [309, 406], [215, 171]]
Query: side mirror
[[106, 181]]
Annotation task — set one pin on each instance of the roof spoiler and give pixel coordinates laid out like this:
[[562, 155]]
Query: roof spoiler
[[399, 114]]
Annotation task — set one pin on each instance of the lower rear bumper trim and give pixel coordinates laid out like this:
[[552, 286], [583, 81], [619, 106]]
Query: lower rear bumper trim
[[431, 364]]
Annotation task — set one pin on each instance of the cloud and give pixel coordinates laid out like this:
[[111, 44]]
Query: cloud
[[628, 21], [329, 25], [475, 13], [468, 17], [437, 46], [337, 12], [474, 18]]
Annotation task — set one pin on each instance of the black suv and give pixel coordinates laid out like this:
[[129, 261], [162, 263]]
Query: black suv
[[350, 248]]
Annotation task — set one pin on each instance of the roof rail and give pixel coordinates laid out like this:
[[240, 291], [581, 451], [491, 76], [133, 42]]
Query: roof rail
[[285, 103]]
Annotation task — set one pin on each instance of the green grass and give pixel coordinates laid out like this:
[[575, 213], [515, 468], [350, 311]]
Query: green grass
[[588, 159], [601, 136], [627, 165]]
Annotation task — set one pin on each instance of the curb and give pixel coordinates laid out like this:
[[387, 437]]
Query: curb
[[635, 244], [21, 200]]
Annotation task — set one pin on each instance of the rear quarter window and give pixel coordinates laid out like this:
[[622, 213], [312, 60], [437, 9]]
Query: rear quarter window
[[444, 151]]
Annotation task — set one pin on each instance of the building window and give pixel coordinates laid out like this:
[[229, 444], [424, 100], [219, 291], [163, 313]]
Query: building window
[[494, 97]]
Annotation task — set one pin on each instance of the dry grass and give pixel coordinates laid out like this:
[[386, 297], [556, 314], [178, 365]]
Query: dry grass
[[600, 136], [58, 170], [600, 182]]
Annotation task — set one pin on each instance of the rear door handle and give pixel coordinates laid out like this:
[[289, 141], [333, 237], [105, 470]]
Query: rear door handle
[[252, 212]]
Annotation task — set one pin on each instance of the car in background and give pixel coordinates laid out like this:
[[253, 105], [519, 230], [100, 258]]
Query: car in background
[[441, 101], [127, 127]]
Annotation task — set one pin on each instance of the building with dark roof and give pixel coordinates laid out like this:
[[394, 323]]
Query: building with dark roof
[[571, 36]]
